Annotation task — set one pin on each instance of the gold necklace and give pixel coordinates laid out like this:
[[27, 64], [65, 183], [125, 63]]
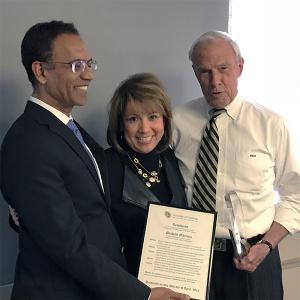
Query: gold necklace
[[149, 177]]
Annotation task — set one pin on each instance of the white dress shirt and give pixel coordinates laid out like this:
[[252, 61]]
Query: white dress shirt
[[256, 160], [65, 119]]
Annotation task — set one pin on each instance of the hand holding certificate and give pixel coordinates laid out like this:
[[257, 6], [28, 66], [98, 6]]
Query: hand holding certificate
[[177, 250]]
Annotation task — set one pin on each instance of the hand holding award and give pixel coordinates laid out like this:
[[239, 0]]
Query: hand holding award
[[240, 246]]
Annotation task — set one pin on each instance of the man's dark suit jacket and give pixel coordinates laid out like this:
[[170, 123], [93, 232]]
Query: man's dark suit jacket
[[130, 198], [68, 246]]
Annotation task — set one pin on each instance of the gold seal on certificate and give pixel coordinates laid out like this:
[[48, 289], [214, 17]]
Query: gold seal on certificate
[[177, 250]]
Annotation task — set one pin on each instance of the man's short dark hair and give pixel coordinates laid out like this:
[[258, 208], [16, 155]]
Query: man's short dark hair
[[38, 40]]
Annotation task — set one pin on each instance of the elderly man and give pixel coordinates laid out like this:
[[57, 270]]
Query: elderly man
[[225, 144]]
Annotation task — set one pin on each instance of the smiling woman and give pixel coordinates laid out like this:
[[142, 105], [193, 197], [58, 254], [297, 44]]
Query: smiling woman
[[139, 132], [143, 127]]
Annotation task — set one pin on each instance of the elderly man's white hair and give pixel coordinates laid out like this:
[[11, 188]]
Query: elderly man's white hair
[[213, 35]]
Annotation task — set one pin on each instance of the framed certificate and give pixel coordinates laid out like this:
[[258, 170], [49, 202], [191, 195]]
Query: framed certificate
[[177, 250]]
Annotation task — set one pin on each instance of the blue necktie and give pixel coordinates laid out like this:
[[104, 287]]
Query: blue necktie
[[71, 124], [76, 131]]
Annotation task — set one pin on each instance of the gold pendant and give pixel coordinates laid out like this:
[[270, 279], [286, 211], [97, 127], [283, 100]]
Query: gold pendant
[[145, 175], [153, 173], [148, 184], [157, 180], [152, 179], [140, 171]]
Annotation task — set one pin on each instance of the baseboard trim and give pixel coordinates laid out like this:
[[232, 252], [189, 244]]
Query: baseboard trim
[[291, 263], [5, 291]]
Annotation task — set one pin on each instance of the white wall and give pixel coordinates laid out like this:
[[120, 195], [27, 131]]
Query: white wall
[[125, 36], [271, 77], [290, 260]]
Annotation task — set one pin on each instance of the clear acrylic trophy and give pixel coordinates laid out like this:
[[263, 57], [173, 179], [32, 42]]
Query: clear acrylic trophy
[[241, 246]]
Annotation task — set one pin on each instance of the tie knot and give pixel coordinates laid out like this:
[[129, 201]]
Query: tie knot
[[215, 112], [71, 124]]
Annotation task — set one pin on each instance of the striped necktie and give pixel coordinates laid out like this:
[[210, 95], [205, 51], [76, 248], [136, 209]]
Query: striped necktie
[[204, 192]]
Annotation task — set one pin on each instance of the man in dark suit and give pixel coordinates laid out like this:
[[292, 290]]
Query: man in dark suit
[[56, 180]]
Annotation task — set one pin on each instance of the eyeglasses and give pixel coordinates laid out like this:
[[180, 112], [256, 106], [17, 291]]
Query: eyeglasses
[[78, 65]]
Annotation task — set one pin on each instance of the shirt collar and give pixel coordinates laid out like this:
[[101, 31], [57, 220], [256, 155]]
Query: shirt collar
[[58, 114], [232, 109]]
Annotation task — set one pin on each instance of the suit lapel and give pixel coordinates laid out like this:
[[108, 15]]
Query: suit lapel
[[78, 148], [101, 161], [46, 118], [134, 190]]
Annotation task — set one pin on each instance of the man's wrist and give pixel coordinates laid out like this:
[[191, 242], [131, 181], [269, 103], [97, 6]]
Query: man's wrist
[[267, 243]]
